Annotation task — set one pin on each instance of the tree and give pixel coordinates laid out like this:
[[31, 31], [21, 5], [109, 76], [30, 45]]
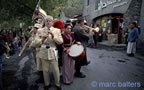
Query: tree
[[16, 11]]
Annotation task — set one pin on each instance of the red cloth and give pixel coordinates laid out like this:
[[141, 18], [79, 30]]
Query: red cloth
[[58, 24]]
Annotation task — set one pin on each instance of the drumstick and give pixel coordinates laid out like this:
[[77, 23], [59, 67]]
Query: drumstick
[[73, 42]]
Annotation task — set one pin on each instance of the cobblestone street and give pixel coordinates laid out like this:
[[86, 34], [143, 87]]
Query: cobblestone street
[[108, 68]]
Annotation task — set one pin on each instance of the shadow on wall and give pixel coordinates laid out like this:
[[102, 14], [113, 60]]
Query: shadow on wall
[[140, 42]]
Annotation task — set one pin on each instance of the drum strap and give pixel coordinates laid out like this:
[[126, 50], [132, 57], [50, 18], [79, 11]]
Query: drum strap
[[70, 40]]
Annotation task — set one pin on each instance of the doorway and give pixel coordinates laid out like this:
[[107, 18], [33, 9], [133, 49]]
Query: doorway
[[114, 26]]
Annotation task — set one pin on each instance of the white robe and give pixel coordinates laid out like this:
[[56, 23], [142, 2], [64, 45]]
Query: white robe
[[131, 48]]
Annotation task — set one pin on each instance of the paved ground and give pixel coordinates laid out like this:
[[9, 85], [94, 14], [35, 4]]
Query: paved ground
[[110, 69]]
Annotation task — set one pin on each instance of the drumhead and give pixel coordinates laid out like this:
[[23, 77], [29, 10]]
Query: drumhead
[[76, 50]]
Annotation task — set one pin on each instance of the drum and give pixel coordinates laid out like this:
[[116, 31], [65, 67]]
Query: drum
[[77, 52]]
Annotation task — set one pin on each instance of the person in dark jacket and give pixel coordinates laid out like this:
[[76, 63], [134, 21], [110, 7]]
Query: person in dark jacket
[[132, 37], [82, 37]]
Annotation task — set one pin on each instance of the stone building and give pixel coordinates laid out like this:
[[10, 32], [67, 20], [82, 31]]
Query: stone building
[[141, 24], [114, 16]]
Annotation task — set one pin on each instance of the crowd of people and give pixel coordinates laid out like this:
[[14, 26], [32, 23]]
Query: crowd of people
[[131, 36], [12, 39], [50, 44], [45, 41], [10, 44], [55, 37]]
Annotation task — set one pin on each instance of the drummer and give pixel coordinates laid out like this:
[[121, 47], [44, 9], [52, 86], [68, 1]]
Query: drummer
[[83, 37], [68, 62]]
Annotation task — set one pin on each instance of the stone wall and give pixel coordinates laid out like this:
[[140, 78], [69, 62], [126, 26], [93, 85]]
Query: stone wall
[[141, 37], [132, 14]]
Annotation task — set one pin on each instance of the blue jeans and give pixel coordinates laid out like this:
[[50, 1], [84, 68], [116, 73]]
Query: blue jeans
[[0, 72]]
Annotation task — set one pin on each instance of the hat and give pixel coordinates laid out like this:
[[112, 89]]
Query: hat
[[58, 24], [37, 25], [68, 21], [80, 19]]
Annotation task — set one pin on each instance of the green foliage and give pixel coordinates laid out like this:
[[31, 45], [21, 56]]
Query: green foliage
[[13, 12]]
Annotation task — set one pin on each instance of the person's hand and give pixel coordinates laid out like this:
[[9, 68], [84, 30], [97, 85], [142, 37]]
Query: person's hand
[[50, 32], [78, 43], [27, 45], [67, 51], [91, 29], [44, 37], [30, 40]]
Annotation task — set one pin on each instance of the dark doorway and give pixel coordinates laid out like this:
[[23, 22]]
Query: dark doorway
[[114, 25]]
